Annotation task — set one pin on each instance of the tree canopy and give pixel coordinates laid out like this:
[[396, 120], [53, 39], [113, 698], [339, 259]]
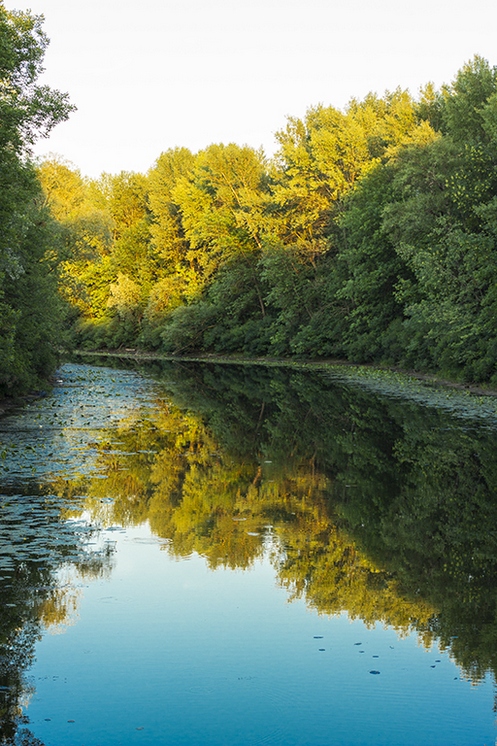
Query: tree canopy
[[370, 236]]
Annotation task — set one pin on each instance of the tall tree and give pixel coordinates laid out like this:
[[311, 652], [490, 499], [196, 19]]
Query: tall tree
[[27, 287], [220, 203]]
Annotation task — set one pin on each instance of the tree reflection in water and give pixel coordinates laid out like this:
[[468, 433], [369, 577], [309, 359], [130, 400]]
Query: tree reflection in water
[[370, 505], [36, 544]]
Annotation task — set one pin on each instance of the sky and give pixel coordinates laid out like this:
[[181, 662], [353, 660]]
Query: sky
[[150, 75]]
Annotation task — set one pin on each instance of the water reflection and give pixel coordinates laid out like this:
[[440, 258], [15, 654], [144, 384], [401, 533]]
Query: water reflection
[[36, 543], [41, 535], [374, 506]]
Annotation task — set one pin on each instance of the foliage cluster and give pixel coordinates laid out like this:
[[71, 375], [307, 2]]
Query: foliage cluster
[[30, 309], [369, 237]]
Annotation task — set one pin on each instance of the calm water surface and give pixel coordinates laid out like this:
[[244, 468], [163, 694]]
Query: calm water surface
[[236, 555]]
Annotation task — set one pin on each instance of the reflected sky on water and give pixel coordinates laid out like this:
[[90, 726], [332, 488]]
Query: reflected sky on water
[[236, 563]]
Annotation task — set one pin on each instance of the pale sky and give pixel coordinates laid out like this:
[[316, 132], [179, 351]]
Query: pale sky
[[149, 75]]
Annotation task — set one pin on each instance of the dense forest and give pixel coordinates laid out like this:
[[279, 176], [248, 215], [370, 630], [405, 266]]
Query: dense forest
[[369, 236]]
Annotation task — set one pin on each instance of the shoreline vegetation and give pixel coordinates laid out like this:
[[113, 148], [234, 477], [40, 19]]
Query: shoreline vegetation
[[370, 237], [400, 379], [316, 364]]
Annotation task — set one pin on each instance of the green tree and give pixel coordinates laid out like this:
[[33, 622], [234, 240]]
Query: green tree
[[465, 100], [28, 302], [86, 228], [220, 203]]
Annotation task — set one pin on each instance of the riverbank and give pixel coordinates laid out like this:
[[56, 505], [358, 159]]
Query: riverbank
[[327, 364]]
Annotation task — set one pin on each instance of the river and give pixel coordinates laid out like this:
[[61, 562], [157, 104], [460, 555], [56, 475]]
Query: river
[[197, 554]]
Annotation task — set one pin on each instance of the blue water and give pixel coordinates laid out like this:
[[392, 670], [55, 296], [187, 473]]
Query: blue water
[[170, 652]]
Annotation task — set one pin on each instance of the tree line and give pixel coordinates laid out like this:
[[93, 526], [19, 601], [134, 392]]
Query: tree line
[[369, 236]]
